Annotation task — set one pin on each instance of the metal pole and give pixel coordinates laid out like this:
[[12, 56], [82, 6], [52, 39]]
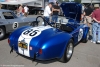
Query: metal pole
[[91, 2]]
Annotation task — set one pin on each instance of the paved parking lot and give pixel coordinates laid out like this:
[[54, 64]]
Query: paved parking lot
[[85, 55]]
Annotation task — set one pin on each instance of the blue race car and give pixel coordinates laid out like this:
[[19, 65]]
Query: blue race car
[[48, 42]]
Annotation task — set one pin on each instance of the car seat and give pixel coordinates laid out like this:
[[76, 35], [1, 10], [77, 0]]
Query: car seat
[[66, 28]]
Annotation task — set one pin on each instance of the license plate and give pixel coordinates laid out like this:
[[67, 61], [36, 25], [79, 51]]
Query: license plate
[[22, 45]]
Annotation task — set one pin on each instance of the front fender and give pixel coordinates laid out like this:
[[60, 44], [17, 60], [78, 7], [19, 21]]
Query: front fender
[[86, 30]]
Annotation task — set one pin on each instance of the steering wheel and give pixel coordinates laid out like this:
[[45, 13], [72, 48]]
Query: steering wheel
[[43, 20]]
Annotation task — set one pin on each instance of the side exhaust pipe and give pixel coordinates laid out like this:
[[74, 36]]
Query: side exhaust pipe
[[34, 58], [11, 50]]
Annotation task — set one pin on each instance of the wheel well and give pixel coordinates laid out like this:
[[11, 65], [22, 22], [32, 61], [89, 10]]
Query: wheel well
[[3, 27], [66, 46], [62, 55], [72, 39]]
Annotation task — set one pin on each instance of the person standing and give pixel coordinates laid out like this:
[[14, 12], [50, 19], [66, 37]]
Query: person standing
[[20, 9], [55, 12], [0, 6], [87, 15], [96, 24], [26, 11], [47, 13], [82, 15]]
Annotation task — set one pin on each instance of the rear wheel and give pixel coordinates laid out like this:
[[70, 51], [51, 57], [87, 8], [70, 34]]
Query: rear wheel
[[2, 32], [68, 52]]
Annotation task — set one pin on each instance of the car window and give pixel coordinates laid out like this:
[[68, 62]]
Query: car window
[[9, 15]]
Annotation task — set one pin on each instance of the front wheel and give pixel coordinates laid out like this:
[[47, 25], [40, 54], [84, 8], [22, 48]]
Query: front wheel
[[86, 39], [2, 32], [68, 52]]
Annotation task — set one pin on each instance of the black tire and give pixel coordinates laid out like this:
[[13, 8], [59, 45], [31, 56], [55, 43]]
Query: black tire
[[86, 39], [68, 52], [2, 32]]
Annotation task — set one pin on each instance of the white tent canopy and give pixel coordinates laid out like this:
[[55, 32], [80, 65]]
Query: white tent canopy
[[17, 2], [90, 1]]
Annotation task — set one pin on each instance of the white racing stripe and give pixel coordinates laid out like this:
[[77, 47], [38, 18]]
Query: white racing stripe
[[26, 38], [33, 32], [22, 50]]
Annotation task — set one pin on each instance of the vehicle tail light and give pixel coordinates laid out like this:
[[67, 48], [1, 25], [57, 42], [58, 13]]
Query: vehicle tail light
[[30, 48], [40, 51], [8, 40]]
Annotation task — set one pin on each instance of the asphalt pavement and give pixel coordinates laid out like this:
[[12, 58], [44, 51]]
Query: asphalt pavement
[[85, 55]]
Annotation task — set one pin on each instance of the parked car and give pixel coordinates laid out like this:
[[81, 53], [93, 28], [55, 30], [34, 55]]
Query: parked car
[[48, 42], [9, 22]]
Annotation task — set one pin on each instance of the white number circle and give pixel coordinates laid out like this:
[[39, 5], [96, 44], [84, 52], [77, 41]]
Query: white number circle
[[80, 35], [30, 33], [15, 25], [34, 32]]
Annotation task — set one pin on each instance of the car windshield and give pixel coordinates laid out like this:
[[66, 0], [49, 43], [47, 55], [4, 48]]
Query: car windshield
[[9, 15]]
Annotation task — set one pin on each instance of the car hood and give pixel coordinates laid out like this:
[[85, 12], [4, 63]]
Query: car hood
[[72, 10]]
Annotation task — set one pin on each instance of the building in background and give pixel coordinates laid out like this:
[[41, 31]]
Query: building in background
[[90, 1], [35, 6]]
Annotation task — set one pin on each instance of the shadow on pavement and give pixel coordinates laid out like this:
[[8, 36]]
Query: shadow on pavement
[[39, 61]]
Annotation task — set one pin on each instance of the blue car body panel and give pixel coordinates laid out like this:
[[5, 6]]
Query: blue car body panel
[[45, 42], [72, 10]]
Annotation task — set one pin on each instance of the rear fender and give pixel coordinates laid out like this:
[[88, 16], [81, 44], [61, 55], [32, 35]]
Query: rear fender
[[56, 45], [64, 48], [14, 39]]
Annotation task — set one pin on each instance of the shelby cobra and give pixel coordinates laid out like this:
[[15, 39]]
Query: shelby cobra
[[47, 42], [9, 22]]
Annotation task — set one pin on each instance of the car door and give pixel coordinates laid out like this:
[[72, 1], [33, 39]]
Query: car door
[[77, 34], [28, 21], [13, 21], [14, 24]]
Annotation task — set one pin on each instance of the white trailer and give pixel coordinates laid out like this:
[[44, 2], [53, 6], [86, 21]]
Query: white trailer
[[35, 6]]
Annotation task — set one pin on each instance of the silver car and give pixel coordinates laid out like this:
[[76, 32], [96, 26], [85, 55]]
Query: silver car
[[9, 22]]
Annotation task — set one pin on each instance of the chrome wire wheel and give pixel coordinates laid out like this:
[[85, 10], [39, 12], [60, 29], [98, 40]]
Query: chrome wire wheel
[[69, 51], [2, 32]]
